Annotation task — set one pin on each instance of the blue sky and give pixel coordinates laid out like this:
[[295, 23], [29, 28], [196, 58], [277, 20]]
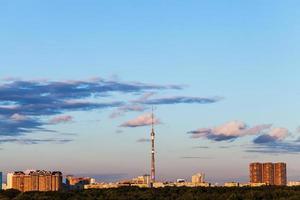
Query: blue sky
[[225, 69]]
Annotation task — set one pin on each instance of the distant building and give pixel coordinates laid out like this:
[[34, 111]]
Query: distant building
[[39, 180], [280, 174], [268, 173], [257, 184], [256, 173], [0, 180], [198, 178], [77, 183], [231, 184], [101, 186], [93, 181], [293, 183], [142, 180], [180, 180], [9, 178]]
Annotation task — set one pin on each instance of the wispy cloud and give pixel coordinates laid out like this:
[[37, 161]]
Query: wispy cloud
[[200, 147], [53, 97], [27, 141], [119, 131], [196, 157], [128, 108], [142, 103], [18, 117], [24, 103], [143, 120], [29, 105], [275, 147], [143, 140], [228, 131], [18, 124], [181, 100], [61, 119]]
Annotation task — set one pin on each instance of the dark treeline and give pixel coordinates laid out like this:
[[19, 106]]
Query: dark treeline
[[168, 193]]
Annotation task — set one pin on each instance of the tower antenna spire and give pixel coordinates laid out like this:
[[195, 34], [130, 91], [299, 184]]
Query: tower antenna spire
[[152, 176], [152, 116]]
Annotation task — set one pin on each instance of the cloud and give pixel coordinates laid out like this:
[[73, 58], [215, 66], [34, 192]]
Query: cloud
[[127, 108], [18, 125], [275, 134], [144, 97], [142, 140], [24, 103], [180, 100], [228, 131], [275, 147], [61, 119], [265, 138], [46, 97], [143, 120], [26, 141], [200, 147], [279, 133], [274, 142], [225, 147], [18, 117], [119, 131], [139, 105], [195, 157]]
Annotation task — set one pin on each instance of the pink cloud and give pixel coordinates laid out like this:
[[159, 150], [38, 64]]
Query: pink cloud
[[279, 133], [127, 108], [61, 119], [229, 131], [18, 117], [143, 120]]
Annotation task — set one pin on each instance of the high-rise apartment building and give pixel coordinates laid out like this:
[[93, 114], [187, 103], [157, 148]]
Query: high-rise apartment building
[[268, 173], [280, 174], [256, 173], [39, 180]]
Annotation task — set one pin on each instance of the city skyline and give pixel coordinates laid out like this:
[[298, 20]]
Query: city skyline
[[78, 80]]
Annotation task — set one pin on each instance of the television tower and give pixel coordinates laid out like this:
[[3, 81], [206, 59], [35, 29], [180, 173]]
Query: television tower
[[152, 176]]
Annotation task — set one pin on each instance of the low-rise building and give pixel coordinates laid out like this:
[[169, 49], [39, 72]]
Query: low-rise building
[[101, 186], [293, 183], [231, 184], [198, 178], [257, 184], [78, 183], [9, 180]]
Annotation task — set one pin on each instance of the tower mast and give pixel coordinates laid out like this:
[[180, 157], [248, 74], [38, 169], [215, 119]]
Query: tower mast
[[152, 152]]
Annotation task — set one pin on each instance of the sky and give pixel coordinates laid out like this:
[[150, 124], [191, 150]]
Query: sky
[[78, 79]]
